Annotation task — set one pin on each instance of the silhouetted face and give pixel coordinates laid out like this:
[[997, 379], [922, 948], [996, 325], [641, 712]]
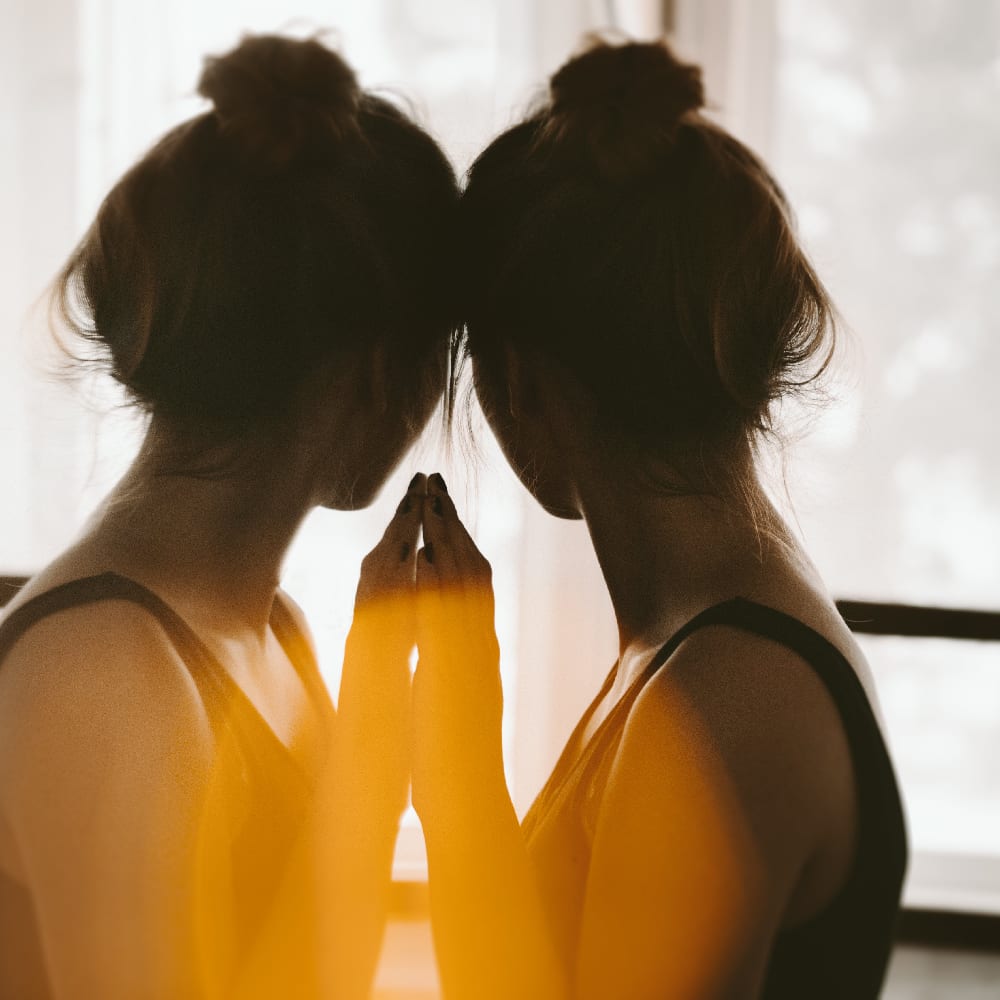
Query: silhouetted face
[[531, 441], [378, 434]]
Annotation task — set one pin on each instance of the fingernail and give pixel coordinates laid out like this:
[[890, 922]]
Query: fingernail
[[405, 552], [405, 506], [414, 482], [437, 507], [429, 551], [438, 482]]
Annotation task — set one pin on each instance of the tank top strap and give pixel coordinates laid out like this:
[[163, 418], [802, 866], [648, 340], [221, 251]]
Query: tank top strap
[[877, 788], [300, 652], [724, 613], [878, 791], [213, 683], [825, 659], [580, 760]]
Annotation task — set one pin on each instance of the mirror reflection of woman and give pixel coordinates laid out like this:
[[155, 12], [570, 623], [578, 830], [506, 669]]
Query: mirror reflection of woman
[[182, 812], [724, 821]]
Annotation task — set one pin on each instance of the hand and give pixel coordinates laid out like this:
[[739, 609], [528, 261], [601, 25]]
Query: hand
[[457, 694], [374, 703]]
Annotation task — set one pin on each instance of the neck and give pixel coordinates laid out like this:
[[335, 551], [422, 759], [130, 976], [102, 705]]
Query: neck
[[215, 543], [665, 558]]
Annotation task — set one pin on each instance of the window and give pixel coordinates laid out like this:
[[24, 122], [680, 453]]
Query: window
[[886, 134], [880, 122]]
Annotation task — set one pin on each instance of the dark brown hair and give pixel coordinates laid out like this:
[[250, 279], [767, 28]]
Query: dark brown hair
[[623, 235], [299, 218]]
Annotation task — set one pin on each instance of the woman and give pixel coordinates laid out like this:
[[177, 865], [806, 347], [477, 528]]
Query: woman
[[181, 813], [724, 820]]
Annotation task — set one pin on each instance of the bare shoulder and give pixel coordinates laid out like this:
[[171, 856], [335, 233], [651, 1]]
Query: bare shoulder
[[89, 685], [96, 646], [756, 701], [727, 806], [745, 684], [106, 765], [766, 725]]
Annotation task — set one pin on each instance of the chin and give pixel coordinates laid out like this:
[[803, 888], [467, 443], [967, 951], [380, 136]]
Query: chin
[[562, 512], [561, 507], [369, 481], [363, 494], [339, 503]]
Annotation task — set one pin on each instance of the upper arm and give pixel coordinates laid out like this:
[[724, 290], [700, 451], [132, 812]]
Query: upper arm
[[105, 753], [706, 823]]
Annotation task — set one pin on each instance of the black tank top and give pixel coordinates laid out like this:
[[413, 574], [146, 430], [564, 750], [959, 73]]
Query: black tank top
[[260, 792], [842, 952]]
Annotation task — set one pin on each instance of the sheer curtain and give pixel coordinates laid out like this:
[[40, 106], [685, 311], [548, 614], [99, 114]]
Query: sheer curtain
[[39, 83]]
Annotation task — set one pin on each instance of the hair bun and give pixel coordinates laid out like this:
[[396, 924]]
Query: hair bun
[[622, 104], [279, 98]]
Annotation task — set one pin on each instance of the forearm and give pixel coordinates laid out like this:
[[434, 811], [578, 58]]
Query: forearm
[[324, 929], [357, 874], [363, 808], [490, 931]]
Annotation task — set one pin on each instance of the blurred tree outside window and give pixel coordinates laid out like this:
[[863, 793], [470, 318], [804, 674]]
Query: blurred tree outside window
[[886, 136]]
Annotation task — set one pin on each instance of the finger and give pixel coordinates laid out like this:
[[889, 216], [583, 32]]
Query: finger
[[460, 558], [440, 504], [403, 530], [439, 552], [460, 572], [389, 567], [454, 622]]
